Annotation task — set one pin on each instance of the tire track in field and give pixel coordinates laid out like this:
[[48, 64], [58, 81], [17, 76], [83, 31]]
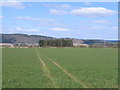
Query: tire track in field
[[70, 75], [46, 71]]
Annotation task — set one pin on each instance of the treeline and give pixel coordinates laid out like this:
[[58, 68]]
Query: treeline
[[56, 43]]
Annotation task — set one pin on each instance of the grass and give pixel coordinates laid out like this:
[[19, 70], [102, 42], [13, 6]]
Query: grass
[[68, 68]]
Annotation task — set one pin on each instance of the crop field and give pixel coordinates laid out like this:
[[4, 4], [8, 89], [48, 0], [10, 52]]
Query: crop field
[[60, 68]]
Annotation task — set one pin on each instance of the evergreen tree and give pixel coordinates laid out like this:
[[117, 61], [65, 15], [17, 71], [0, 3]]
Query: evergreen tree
[[56, 43]]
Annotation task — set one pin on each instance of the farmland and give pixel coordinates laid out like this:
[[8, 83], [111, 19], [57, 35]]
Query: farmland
[[60, 68]]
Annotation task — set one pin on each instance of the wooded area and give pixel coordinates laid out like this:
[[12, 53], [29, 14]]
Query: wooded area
[[56, 43]]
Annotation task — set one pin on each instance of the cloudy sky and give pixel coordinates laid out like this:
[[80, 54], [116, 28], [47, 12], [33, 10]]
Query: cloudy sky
[[83, 20]]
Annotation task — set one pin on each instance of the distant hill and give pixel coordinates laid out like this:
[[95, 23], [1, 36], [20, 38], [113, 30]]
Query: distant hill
[[114, 41], [23, 38]]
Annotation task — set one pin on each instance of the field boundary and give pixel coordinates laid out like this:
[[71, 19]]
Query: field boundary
[[69, 74], [46, 71]]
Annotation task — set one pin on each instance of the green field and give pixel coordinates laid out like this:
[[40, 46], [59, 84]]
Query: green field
[[60, 68]]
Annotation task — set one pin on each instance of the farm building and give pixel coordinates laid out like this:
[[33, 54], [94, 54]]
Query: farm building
[[79, 43], [6, 45]]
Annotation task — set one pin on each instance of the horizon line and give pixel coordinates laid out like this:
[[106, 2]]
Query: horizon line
[[65, 37]]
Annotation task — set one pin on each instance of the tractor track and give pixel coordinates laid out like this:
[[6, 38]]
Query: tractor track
[[46, 71], [69, 74]]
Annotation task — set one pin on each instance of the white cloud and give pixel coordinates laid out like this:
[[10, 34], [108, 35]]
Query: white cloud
[[114, 28], [102, 21], [59, 29], [49, 24], [24, 18], [12, 4], [96, 27], [1, 17], [58, 12], [65, 6], [57, 6], [87, 3], [26, 29], [93, 12], [84, 11], [34, 19]]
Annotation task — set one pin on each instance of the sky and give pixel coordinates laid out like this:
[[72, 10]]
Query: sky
[[82, 20]]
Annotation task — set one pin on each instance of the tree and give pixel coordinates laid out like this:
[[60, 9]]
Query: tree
[[56, 43]]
